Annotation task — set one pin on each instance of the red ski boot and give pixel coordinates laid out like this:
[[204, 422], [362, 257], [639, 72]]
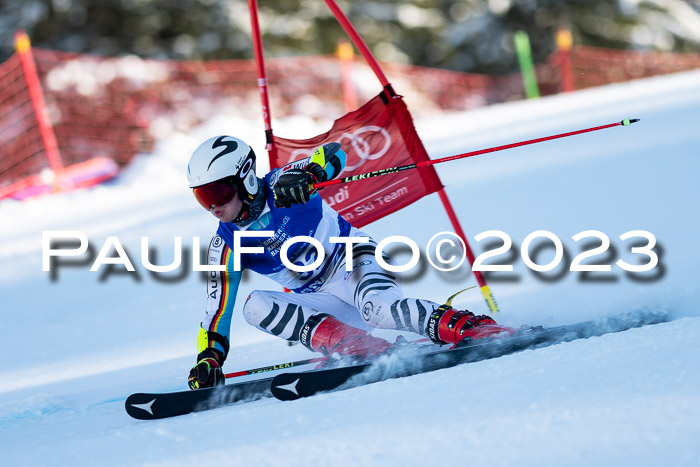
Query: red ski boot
[[449, 326], [326, 334]]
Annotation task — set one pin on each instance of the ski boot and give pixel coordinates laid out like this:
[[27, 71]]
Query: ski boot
[[449, 326], [325, 334]]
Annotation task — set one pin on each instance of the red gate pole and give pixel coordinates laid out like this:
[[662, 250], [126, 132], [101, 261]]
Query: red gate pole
[[262, 79], [346, 56], [485, 289], [564, 42], [48, 138], [262, 84], [372, 62], [358, 41]]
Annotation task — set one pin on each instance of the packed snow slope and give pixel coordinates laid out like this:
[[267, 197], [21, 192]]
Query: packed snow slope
[[76, 343]]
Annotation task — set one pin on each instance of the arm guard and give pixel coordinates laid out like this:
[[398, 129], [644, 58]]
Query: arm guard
[[331, 159]]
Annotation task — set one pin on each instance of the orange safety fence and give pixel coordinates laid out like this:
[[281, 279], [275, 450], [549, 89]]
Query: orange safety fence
[[116, 108], [593, 66]]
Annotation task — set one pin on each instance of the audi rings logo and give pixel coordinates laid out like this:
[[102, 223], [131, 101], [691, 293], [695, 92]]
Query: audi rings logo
[[363, 147], [367, 143]]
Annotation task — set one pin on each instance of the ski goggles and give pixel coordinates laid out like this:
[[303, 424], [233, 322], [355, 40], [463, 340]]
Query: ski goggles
[[217, 193]]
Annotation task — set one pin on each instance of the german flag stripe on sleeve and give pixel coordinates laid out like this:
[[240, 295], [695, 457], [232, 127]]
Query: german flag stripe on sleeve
[[224, 295]]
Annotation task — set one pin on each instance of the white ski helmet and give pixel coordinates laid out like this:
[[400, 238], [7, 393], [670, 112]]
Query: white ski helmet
[[221, 158]]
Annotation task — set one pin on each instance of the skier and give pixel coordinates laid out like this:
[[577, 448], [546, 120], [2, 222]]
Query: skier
[[326, 300]]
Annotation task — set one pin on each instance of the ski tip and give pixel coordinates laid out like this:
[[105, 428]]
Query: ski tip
[[284, 387], [140, 406], [629, 121]]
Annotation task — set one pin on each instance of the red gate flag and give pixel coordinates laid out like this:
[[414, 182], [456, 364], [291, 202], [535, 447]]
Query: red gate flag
[[378, 135]]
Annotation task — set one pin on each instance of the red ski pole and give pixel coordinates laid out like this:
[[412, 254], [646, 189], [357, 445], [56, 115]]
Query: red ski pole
[[417, 165], [285, 366], [279, 366]]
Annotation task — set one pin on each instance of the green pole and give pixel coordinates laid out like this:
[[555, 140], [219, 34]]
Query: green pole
[[527, 68]]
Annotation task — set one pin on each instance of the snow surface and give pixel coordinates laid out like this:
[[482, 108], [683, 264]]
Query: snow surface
[[76, 343]]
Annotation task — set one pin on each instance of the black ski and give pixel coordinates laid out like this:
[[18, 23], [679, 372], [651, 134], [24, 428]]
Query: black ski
[[144, 406], [409, 361]]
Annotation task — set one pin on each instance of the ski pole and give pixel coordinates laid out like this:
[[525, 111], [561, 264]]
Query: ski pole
[[280, 366], [417, 165], [285, 366]]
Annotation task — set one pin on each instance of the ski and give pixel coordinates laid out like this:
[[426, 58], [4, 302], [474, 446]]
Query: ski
[[152, 406], [410, 361], [407, 360]]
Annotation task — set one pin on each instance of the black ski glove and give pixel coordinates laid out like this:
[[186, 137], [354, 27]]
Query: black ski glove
[[207, 372], [295, 186]]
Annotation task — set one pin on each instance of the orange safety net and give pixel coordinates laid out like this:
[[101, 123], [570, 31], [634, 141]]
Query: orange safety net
[[118, 107]]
